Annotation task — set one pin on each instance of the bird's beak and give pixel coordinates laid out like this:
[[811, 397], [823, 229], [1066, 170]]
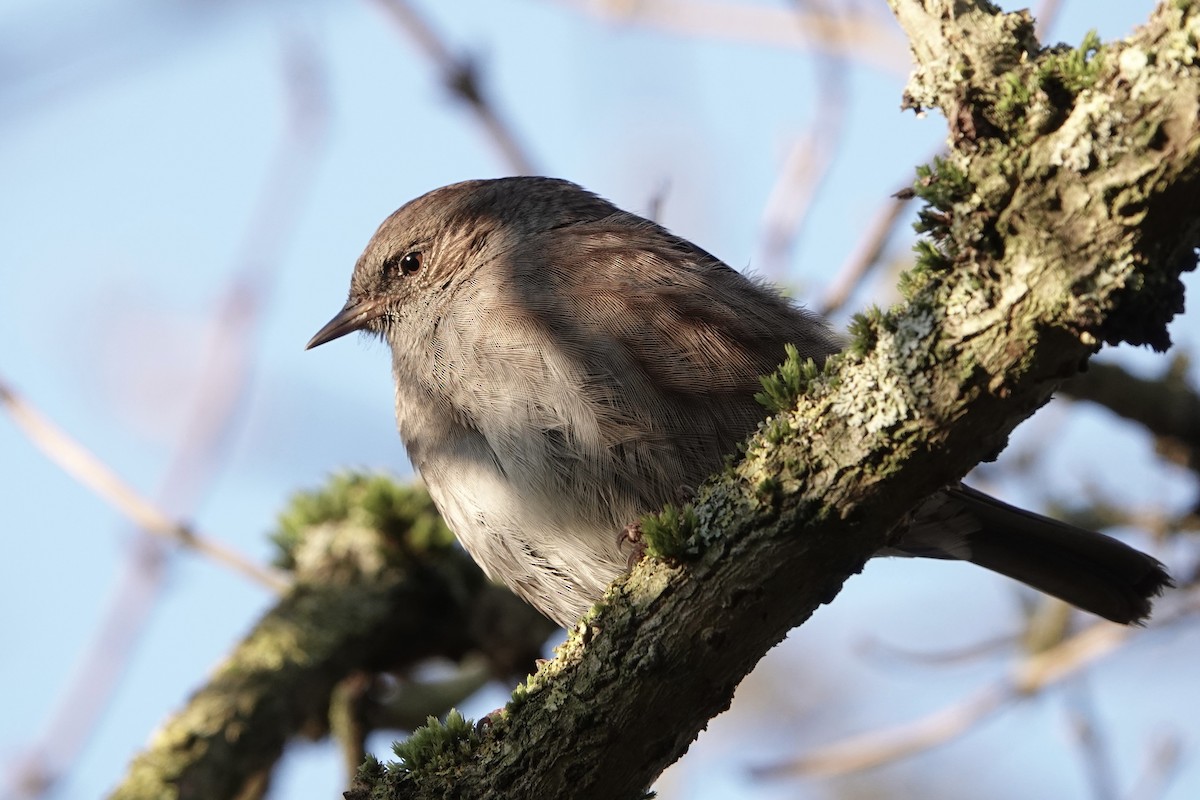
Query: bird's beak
[[354, 316]]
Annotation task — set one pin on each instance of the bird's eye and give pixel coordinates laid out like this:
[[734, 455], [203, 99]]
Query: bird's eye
[[411, 262], [405, 265]]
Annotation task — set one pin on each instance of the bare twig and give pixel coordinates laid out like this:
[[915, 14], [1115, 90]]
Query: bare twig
[[461, 76], [1166, 756], [224, 381], [1093, 749], [85, 467], [1034, 673], [658, 199], [1168, 407], [867, 255], [806, 166], [1045, 17], [878, 648], [870, 38], [883, 746]]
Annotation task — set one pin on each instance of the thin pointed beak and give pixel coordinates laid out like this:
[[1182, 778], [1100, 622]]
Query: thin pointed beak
[[354, 316]]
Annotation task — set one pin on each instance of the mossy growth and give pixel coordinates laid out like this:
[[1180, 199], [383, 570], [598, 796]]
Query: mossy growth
[[436, 745], [930, 261], [670, 532], [942, 184], [1075, 69], [1043, 93], [864, 330], [371, 771], [788, 382], [398, 511], [1015, 95]]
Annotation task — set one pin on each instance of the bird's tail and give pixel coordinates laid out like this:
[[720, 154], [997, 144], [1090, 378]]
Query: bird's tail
[[1090, 570]]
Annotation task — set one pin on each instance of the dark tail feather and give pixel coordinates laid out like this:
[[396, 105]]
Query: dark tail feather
[[1090, 570]]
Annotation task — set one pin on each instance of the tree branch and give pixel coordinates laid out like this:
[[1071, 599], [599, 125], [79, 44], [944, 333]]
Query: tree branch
[[380, 585], [1063, 217], [1167, 407]]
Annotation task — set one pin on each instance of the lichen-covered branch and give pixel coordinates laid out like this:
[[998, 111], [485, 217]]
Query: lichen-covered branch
[[379, 586], [1062, 218]]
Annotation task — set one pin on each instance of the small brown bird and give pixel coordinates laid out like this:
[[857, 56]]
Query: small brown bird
[[563, 367]]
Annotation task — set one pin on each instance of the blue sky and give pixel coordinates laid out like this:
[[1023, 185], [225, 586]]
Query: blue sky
[[135, 144]]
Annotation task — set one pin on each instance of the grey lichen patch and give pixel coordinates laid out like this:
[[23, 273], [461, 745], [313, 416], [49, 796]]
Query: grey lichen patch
[[954, 55], [1086, 141], [889, 384], [646, 584], [1131, 62], [970, 306]]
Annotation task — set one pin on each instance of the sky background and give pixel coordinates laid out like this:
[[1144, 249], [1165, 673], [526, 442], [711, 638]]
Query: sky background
[[152, 157]]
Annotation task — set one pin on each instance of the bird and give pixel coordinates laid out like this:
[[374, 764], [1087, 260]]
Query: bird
[[563, 367]]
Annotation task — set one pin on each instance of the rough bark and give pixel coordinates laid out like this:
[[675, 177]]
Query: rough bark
[[379, 587], [1063, 218]]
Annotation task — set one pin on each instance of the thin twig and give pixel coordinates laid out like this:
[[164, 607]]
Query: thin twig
[[1034, 673], [806, 167], [880, 649], [1045, 17], [883, 746], [870, 38], [1166, 756], [867, 255], [1168, 407], [224, 380], [83, 465], [461, 76], [1093, 749]]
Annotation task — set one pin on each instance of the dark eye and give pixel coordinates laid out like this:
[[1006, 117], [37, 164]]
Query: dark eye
[[410, 263], [406, 264]]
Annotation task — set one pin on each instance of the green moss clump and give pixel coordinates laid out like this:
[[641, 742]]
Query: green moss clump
[[864, 331], [373, 501], [371, 771], [1014, 98], [670, 532], [942, 184], [788, 383], [1073, 69], [436, 744]]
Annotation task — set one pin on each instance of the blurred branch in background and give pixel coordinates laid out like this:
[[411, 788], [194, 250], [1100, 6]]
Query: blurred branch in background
[[868, 37], [350, 698], [809, 160], [1165, 758], [1168, 407], [200, 454], [460, 74], [1033, 673], [1090, 739], [868, 251], [93, 473]]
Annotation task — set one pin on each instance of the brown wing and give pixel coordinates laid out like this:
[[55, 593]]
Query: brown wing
[[672, 342]]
